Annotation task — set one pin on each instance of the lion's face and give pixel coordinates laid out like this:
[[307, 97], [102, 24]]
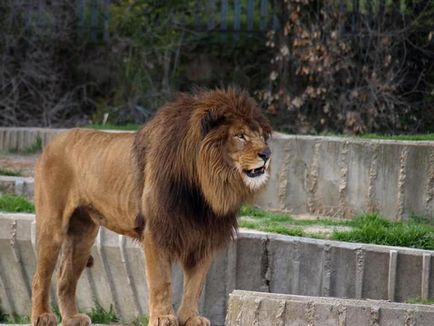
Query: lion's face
[[250, 154], [234, 158]]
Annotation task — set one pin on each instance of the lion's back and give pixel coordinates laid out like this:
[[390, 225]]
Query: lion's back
[[84, 158]]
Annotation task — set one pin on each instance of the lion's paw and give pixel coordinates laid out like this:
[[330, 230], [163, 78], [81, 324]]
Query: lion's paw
[[196, 321], [77, 320], [164, 320], [46, 319]]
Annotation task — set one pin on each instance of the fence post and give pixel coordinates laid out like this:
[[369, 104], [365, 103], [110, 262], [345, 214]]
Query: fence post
[[237, 14], [197, 17], [224, 21], [211, 12], [263, 15], [80, 15], [93, 20], [106, 20], [250, 10], [41, 12]]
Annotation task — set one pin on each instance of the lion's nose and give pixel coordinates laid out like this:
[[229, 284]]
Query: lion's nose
[[265, 154]]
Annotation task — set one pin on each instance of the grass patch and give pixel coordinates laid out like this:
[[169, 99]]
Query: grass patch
[[98, 315], [262, 216], [418, 232], [56, 311], [140, 321], [10, 172], [3, 316], [272, 228], [416, 137], [15, 204], [101, 316], [13, 319], [109, 126], [258, 219], [421, 301], [372, 228]]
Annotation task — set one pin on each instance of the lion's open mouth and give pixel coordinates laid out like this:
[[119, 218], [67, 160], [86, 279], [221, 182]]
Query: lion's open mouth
[[253, 173]]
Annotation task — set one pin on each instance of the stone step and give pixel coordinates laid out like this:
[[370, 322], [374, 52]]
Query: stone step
[[255, 308]]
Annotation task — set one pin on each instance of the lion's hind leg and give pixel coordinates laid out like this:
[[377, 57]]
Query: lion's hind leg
[[76, 251]]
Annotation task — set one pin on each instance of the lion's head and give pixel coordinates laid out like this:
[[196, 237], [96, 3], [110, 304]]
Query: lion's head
[[234, 158]]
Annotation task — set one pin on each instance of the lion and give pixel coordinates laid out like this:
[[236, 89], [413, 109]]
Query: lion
[[176, 185]]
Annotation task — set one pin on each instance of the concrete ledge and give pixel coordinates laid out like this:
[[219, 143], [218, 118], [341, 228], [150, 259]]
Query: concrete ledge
[[20, 186], [254, 308], [21, 139], [255, 261]]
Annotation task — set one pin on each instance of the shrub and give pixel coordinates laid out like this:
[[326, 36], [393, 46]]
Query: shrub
[[352, 70]]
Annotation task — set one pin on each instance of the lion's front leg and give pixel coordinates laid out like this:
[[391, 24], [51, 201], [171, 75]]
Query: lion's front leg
[[194, 277], [158, 278]]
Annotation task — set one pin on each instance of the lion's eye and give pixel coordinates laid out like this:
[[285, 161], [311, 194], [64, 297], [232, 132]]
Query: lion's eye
[[241, 136]]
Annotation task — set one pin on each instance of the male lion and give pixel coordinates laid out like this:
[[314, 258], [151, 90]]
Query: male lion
[[176, 185]]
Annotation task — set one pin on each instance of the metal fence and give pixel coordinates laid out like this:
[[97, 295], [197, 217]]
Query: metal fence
[[92, 17]]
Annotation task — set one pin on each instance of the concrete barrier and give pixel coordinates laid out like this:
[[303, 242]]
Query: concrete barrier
[[344, 176], [25, 138], [22, 139], [255, 261], [254, 308], [19, 186], [326, 175]]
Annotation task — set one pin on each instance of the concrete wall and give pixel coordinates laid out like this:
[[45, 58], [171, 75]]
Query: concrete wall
[[20, 186], [345, 176], [253, 308], [327, 175], [256, 261], [21, 139]]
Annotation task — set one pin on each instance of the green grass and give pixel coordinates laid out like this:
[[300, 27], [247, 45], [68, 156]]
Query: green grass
[[415, 137], [56, 311], [13, 319], [421, 301], [268, 217], [109, 126], [98, 315], [372, 228], [101, 316], [140, 321], [272, 228], [418, 232], [3, 316], [10, 172], [15, 204]]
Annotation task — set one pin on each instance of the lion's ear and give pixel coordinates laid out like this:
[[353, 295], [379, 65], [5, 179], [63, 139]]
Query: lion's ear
[[210, 121]]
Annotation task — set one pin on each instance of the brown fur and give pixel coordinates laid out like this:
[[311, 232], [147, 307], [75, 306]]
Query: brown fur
[[176, 185]]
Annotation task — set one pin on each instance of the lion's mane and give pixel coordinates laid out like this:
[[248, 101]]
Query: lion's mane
[[190, 192]]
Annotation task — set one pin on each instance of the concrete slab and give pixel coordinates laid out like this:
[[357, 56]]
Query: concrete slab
[[254, 308]]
